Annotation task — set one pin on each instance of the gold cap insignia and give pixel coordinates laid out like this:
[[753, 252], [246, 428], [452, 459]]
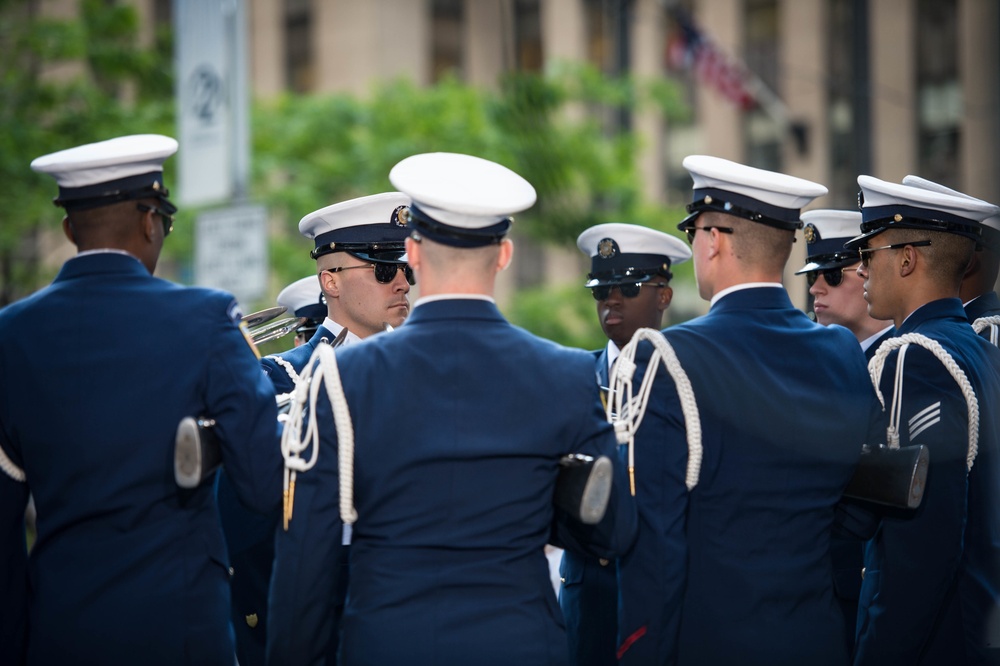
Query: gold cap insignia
[[400, 216], [810, 233], [707, 199], [252, 620], [156, 186], [897, 217], [606, 248]]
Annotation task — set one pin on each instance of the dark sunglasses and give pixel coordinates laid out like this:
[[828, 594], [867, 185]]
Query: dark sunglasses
[[627, 289], [384, 273], [690, 231], [866, 252], [833, 276], [165, 217]]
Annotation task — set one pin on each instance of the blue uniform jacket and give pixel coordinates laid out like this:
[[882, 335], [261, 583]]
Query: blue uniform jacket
[[297, 358], [931, 575], [738, 571], [460, 420], [250, 535], [589, 593], [987, 305], [127, 568]]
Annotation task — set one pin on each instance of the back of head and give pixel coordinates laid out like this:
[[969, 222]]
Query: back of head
[[107, 187], [758, 209], [461, 212]]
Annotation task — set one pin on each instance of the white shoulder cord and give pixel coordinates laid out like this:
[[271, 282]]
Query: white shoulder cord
[[994, 325], [320, 371], [286, 366], [876, 364], [626, 412], [10, 469]]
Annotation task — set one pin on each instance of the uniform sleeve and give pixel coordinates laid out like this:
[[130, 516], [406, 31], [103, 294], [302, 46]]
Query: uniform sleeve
[[301, 603], [241, 400], [651, 576], [916, 553], [614, 534], [13, 570]]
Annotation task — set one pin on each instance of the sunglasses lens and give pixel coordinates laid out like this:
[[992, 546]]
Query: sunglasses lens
[[834, 277], [601, 292], [811, 277], [629, 290], [690, 231], [386, 273]]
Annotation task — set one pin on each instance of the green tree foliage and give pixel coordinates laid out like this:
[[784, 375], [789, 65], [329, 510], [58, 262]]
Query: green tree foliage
[[312, 151], [63, 83]]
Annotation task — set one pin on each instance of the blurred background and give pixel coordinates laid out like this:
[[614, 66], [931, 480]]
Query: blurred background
[[282, 107]]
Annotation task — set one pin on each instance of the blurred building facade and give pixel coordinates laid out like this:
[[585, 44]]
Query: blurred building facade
[[835, 87], [821, 89]]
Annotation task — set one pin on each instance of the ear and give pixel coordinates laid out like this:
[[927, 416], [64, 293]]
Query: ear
[[975, 264], [149, 225], [329, 284], [666, 295], [907, 261], [506, 254], [717, 238], [68, 229], [413, 256]]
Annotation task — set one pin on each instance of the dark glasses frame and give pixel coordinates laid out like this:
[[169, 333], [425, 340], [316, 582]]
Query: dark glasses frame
[[601, 292], [165, 217], [866, 252], [833, 276], [692, 230], [384, 273]]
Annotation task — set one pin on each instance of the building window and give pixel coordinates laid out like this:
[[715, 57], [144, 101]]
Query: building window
[[527, 36], [762, 136], [842, 98], [299, 68], [939, 91], [446, 38]]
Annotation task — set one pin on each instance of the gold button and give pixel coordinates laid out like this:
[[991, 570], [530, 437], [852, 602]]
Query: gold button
[[561, 579], [603, 562], [252, 620]]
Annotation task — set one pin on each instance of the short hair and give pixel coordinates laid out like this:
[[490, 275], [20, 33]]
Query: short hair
[[113, 223], [947, 256], [756, 244]]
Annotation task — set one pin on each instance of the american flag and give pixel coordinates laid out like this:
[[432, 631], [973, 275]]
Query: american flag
[[690, 49]]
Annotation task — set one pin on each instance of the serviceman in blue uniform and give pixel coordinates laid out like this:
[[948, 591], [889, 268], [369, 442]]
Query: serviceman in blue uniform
[[838, 293], [978, 291], [839, 298], [304, 298], [250, 535], [738, 570], [127, 567], [932, 585], [630, 280], [454, 499], [366, 233]]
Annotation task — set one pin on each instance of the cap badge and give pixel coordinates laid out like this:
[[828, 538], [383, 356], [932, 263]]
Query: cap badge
[[606, 248], [156, 186], [810, 233], [400, 216]]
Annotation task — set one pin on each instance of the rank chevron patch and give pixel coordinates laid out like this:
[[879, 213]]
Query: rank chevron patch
[[924, 419]]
